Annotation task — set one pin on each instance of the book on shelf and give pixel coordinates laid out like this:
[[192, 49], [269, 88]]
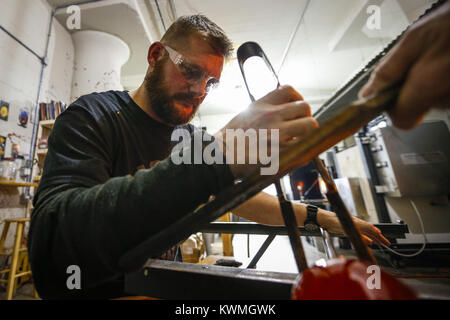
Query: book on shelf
[[51, 110]]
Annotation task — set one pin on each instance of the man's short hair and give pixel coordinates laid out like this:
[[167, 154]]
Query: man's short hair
[[185, 26]]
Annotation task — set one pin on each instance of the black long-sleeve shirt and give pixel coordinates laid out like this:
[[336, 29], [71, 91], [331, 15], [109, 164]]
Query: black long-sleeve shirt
[[98, 196]]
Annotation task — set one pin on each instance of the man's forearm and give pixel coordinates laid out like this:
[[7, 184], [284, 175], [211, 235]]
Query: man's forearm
[[265, 209]]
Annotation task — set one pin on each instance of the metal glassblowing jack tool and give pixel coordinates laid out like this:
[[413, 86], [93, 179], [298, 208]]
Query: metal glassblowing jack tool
[[251, 49]]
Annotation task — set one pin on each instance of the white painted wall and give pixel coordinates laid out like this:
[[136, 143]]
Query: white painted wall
[[28, 20], [59, 72]]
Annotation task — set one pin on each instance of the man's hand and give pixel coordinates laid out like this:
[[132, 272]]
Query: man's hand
[[329, 221], [422, 60], [265, 209], [282, 109]]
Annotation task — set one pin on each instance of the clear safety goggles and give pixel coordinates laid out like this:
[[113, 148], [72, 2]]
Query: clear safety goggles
[[192, 73]]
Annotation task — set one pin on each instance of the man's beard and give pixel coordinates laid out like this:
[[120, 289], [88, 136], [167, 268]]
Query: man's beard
[[162, 103]]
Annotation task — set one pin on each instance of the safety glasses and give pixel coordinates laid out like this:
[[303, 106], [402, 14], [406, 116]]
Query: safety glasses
[[192, 73]]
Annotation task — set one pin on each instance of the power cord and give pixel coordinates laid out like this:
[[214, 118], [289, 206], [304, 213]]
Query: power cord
[[425, 240]]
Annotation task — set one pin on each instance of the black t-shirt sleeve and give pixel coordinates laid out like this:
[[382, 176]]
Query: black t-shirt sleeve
[[79, 150], [84, 217]]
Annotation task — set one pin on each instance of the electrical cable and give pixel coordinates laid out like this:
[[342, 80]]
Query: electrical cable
[[291, 38], [42, 59], [160, 15], [425, 240], [387, 256]]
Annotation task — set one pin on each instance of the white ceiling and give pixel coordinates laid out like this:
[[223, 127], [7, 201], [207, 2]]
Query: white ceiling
[[330, 44]]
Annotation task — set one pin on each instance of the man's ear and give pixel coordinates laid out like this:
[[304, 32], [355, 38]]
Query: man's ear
[[155, 53]]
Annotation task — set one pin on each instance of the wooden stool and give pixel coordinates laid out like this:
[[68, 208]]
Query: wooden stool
[[19, 266]]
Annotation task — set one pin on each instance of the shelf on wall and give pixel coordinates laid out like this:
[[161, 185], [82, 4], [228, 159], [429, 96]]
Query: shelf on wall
[[11, 183], [47, 123]]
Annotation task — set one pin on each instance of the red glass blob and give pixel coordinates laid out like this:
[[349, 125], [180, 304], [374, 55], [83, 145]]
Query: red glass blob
[[349, 279]]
